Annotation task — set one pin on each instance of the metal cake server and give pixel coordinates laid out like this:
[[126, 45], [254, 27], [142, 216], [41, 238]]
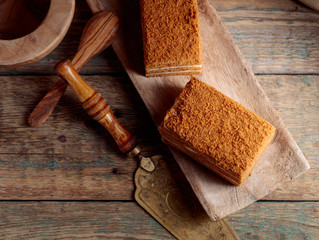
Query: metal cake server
[[166, 196]]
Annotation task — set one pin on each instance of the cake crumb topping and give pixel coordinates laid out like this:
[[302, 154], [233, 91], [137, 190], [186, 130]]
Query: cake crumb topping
[[215, 125], [170, 33]]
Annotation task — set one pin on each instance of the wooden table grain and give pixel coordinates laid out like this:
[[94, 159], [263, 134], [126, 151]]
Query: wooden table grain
[[66, 178]]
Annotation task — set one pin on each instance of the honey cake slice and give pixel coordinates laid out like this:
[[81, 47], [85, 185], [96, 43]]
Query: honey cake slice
[[171, 37], [216, 131]]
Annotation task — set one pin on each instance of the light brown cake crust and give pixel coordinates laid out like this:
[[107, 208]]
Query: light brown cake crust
[[171, 36], [216, 131]]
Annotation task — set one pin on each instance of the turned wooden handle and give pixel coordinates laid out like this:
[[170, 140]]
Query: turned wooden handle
[[96, 106], [97, 35]]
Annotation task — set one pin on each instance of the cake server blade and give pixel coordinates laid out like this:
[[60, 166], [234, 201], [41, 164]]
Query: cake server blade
[[171, 201]]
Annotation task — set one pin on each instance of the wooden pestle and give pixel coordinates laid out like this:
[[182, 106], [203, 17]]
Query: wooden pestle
[[97, 35], [97, 107]]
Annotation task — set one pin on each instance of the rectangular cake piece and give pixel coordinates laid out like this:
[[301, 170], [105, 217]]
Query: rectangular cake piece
[[171, 38], [216, 131]]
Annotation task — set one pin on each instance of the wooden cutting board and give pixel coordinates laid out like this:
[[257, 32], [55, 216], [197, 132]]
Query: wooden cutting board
[[224, 68]]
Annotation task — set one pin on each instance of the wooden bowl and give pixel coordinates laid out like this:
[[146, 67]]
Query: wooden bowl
[[31, 29]]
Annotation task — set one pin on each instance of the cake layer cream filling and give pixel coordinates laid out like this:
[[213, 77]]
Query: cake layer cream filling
[[217, 169], [179, 146], [206, 160], [173, 67], [172, 73]]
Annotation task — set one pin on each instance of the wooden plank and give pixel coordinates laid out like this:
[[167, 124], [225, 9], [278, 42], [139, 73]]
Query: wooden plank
[[226, 70], [276, 41], [66, 177], [296, 98], [31, 156], [270, 5], [277, 220], [126, 220], [274, 36], [78, 220]]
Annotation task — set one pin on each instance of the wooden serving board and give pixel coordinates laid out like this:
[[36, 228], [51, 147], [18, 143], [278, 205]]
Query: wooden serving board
[[224, 68]]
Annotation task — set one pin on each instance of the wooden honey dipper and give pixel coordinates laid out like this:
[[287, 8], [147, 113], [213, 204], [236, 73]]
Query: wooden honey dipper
[[98, 34], [99, 110]]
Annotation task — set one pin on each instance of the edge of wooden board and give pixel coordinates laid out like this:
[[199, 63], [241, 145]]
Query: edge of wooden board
[[229, 73]]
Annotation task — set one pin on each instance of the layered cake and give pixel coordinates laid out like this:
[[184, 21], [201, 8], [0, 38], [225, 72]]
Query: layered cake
[[216, 131], [171, 40]]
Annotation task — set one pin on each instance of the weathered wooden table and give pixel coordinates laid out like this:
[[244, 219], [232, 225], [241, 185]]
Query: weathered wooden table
[[66, 178]]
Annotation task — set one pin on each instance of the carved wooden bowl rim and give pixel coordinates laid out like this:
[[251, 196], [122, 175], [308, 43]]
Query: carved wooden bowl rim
[[42, 40]]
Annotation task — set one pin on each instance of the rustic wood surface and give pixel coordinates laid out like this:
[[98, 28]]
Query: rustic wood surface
[[58, 160], [225, 69], [126, 220]]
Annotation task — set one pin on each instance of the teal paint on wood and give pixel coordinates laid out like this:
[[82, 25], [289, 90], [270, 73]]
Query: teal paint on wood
[[26, 163], [56, 161], [306, 80], [279, 84], [252, 8], [277, 220], [229, 20], [273, 10], [303, 52], [107, 176]]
